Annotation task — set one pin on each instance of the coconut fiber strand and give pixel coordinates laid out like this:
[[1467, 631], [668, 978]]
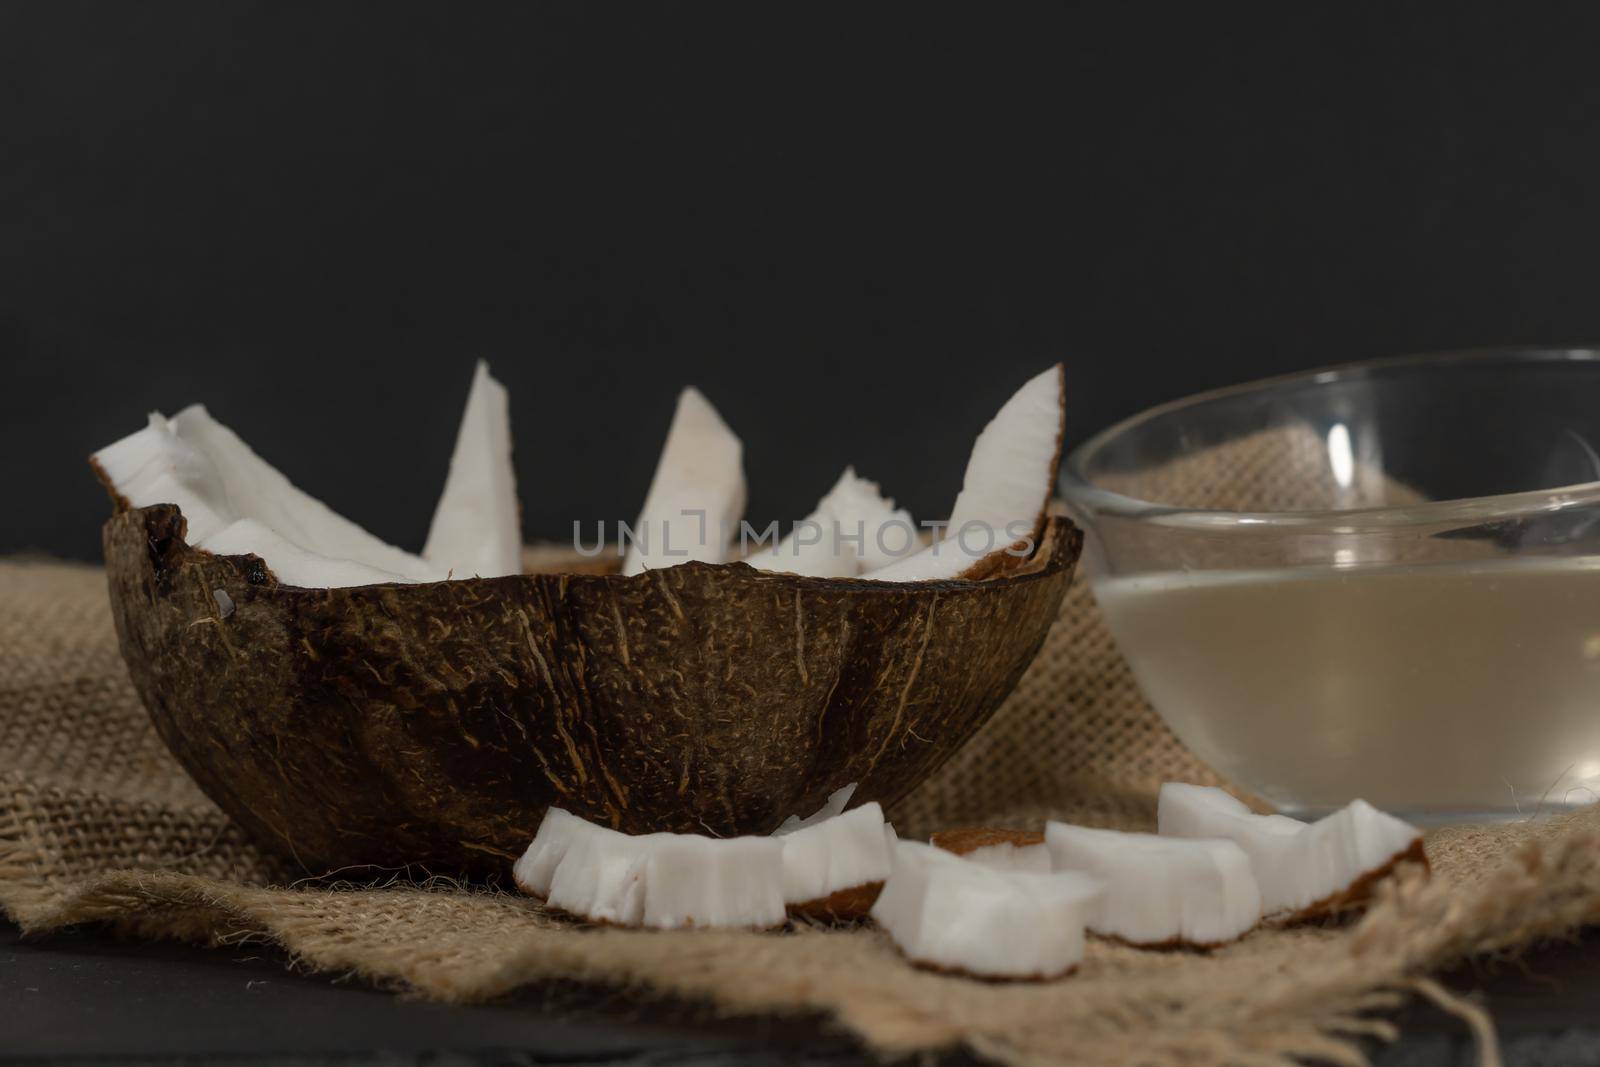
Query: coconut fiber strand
[[99, 824]]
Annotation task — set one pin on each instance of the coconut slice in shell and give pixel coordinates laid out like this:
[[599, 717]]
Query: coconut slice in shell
[[834, 869], [436, 722], [289, 562], [1161, 892], [1005, 850], [240, 503], [845, 534], [697, 495], [948, 914], [156, 466], [237, 503], [1303, 869], [476, 528], [254, 489], [661, 881], [1010, 476]]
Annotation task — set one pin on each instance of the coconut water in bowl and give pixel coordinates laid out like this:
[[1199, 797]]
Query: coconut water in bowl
[[1447, 685], [1378, 582]]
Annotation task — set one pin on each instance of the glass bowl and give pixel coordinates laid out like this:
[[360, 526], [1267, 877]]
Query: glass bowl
[[1378, 581]]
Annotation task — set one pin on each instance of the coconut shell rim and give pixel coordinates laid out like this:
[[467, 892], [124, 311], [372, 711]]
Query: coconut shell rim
[[1057, 548]]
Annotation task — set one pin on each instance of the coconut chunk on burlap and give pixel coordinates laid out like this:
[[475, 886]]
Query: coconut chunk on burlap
[[1304, 869], [834, 868], [946, 913], [1161, 891], [662, 881]]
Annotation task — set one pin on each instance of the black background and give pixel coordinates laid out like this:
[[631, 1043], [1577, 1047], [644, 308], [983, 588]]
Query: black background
[[856, 227]]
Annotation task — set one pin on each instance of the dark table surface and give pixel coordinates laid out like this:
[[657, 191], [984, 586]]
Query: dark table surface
[[86, 997]]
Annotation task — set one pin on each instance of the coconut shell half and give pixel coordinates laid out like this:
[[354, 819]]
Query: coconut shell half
[[434, 723]]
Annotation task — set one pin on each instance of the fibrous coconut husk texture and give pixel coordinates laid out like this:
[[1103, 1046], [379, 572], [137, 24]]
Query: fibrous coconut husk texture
[[99, 823], [435, 723]]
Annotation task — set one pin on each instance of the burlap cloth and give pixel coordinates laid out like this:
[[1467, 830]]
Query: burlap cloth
[[98, 824]]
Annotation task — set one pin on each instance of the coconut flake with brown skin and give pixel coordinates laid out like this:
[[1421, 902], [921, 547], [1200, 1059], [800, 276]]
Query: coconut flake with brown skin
[[697, 495], [1009, 478], [947, 914], [1161, 891], [1304, 869], [662, 881], [843, 536], [834, 868], [476, 528]]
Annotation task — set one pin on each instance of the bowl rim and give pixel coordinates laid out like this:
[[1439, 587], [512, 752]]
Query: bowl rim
[[1093, 501]]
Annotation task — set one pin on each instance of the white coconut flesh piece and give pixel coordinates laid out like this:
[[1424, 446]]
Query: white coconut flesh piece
[[945, 913], [854, 528], [235, 502], [693, 881], [662, 881], [476, 528], [846, 852], [257, 490], [697, 495], [1302, 868], [1010, 475], [156, 466], [536, 868], [289, 562], [600, 876], [1161, 891]]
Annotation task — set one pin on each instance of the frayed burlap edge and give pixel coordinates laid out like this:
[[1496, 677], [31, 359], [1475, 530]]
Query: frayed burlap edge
[[1278, 996]]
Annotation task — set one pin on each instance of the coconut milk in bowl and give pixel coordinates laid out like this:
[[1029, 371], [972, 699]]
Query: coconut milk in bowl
[[1378, 581]]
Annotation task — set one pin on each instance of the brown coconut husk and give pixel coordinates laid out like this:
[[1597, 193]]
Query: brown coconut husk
[[434, 723]]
